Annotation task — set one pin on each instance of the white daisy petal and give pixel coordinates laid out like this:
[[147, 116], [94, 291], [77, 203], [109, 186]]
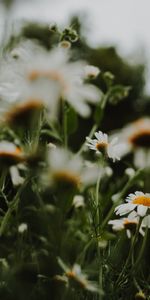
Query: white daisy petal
[[141, 210]]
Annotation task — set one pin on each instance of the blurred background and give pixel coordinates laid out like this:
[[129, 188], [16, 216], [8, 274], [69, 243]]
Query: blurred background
[[114, 35]]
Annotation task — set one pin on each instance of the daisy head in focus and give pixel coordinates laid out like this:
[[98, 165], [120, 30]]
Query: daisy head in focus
[[102, 145], [69, 170], [135, 138], [139, 202], [49, 77]]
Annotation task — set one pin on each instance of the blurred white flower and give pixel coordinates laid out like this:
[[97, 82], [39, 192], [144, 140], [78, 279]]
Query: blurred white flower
[[76, 274], [10, 154], [66, 168], [91, 72], [102, 145], [130, 172], [135, 137], [138, 200], [48, 77], [78, 201], [22, 227]]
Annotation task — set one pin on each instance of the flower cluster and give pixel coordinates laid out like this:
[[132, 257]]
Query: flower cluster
[[137, 206]]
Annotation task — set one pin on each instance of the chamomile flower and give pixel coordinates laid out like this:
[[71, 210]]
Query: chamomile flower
[[23, 227], [10, 154], [91, 72], [75, 275], [48, 77], [102, 145], [70, 170], [135, 138], [137, 201], [78, 201], [129, 223]]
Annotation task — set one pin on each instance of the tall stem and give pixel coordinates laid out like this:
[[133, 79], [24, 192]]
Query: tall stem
[[65, 129]]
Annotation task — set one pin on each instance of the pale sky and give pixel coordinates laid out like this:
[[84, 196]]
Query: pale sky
[[124, 22]]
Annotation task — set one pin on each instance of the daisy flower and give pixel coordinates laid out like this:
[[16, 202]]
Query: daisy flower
[[70, 170], [137, 201], [91, 72], [10, 154], [129, 223], [76, 275], [102, 145], [135, 138], [78, 201], [48, 77]]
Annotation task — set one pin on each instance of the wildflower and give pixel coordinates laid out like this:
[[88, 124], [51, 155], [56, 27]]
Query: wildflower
[[23, 113], [48, 77], [91, 72], [130, 172], [102, 145], [129, 223], [10, 154], [138, 200], [75, 275], [78, 201], [135, 138], [69, 170], [22, 227]]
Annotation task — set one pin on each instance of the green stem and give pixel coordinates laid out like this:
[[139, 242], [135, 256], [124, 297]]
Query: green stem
[[141, 250], [3, 178], [94, 128], [100, 274], [12, 207], [133, 242], [65, 129]]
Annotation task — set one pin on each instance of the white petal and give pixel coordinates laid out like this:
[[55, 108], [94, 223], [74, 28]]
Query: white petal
[[141, 210]]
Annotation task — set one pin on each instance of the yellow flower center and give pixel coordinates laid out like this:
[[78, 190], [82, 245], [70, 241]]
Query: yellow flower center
[[67, 178], [127, 222], [23, 111], [130, 224], [81, 281], [101, 146], [142, 200], [141, 138], [53, 75], [11, 158]]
